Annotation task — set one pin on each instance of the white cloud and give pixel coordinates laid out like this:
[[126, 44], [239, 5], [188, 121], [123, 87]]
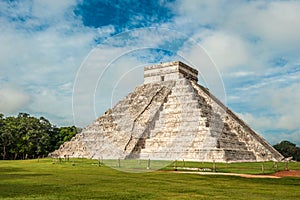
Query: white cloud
[[257, 122], [43, 44], [241, 74], [54, 102], [269, 128], [12, 99], [285, 103], [226, 50], [292, 137], [280, 108], [276, 23], [194, 14], [50, 9], [242, 32]]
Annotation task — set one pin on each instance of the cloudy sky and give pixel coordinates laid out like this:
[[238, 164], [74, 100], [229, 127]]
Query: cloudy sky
[[71, 60]]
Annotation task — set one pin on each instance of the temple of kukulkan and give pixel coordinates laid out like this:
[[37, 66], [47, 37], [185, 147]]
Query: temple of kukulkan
[[170, 117]]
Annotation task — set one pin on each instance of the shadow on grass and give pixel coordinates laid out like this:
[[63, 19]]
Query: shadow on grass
[[22, 190], [11, 169], [21, 176]]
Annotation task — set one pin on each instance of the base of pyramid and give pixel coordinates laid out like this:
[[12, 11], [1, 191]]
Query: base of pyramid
[[203, 155]]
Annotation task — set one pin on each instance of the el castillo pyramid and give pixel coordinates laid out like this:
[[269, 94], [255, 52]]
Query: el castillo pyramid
[[170, 117]]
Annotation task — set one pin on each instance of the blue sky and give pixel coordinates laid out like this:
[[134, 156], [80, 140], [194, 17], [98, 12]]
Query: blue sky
[[71, 60]]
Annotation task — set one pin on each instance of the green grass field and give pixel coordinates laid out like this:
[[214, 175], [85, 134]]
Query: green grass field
[[84, 179]]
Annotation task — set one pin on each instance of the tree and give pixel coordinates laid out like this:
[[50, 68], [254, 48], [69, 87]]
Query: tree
[[5, 138], [9, 139], [64, 134], [288, 149], [35, 137], [26, 136]]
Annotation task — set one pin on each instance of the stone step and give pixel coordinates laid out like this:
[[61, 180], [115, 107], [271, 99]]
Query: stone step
[[232, 144], [200, 126], [181, 106], [182, 129], [204, 155], [124, 126], [182, 94], [169, 112], [118, 115], [183, 103], [179, 119], [183, 116], [180, 126], [121, 108], [192, 131]]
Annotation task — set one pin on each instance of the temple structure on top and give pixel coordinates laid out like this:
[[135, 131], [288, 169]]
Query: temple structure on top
[[169, 71], [170, 117]]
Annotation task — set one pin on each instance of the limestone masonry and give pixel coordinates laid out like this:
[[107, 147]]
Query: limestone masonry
[[170, 117]]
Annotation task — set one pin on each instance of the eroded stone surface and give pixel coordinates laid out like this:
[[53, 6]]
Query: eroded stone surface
[[170, 117]]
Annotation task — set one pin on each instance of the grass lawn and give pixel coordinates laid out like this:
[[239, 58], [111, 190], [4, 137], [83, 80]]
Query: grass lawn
[[239, 168], [83, 179]]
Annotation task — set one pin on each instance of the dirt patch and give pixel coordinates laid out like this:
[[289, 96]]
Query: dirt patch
[[256, 176], [293, 173], [290, 173]]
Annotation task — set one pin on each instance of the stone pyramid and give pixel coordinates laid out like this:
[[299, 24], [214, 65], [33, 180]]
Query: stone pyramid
[[170, 117]]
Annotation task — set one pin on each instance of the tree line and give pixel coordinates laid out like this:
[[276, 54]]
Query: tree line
[[288, 149], [25, 136]]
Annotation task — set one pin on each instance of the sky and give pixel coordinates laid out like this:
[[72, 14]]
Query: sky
[[69, 61]]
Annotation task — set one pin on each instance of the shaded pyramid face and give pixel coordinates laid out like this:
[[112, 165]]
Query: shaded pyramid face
[[170, 117]]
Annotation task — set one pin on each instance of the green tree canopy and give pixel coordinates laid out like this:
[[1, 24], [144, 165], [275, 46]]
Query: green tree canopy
[[288, 149], [26, 136]]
